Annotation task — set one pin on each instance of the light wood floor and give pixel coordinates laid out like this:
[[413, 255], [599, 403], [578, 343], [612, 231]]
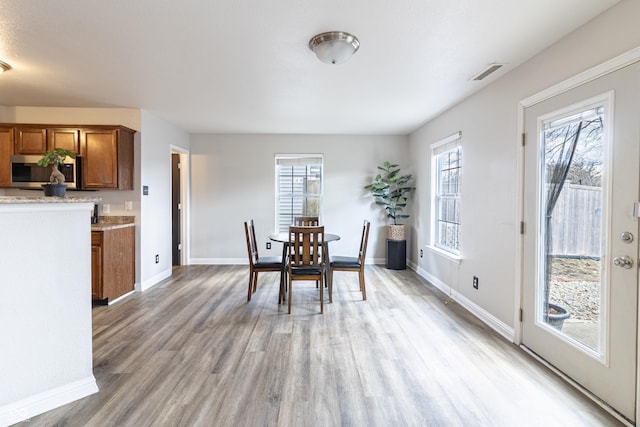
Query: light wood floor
[[192, 352]]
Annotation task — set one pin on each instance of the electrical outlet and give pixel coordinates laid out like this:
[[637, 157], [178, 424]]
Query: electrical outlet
[[157, 258], [128, 205], [106, 208], [268, 245], [475, 282], [420, 253]]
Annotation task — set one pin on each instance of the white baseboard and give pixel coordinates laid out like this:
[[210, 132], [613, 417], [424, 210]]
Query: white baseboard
[[488, 318], [218, 261], [27, 408], [153, 280], [121, 297]]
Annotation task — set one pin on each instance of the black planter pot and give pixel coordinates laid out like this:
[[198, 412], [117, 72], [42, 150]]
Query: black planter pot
[[557, 319], [57, 190]]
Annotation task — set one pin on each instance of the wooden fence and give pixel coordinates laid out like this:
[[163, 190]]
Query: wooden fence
[[576, 222]]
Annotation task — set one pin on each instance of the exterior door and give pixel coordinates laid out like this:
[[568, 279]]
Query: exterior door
[[580, 244]]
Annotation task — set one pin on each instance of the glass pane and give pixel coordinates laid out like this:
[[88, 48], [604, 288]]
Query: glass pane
[[298, 192], [571, 280]]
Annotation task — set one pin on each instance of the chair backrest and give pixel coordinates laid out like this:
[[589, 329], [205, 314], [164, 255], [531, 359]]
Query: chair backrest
[[306, 246], [363, 241], [252, 247], [306, 221]]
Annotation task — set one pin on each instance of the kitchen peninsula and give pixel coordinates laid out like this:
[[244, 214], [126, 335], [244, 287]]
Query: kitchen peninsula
[[45, 304]]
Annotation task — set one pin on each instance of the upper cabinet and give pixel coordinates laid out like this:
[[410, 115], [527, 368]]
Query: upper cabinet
[[67, 138], [30, 140], [38, 139], [107, 158], [106, 151]]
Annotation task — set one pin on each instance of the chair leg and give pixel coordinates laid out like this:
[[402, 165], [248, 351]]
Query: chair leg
[[255, 282], [250, 285], [322, 297], [330, 285], [362, 287], [290, 292]]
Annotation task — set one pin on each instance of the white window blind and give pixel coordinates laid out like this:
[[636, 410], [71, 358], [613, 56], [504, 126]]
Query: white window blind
[[298, 188]]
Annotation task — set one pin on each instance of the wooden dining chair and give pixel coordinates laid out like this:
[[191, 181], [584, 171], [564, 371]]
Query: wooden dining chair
[[306, 221], [306, 259], [256, 263], [349, 263]]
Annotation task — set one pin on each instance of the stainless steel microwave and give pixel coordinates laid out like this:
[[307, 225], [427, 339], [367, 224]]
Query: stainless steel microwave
[[25, 172]]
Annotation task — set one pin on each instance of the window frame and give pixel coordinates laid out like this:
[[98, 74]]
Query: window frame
[[438, 150]]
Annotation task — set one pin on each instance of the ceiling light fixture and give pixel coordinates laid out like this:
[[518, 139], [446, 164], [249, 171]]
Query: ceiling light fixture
[[334, 47], [4, 67]]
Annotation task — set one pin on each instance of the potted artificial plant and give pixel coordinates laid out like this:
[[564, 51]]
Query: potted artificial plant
[[391, 189], [55, 158]]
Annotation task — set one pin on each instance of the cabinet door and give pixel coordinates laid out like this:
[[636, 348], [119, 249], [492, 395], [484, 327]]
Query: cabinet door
[[100, 158], [6, 151], [67, 138], [31, 140], [118, 268], [96, 273]]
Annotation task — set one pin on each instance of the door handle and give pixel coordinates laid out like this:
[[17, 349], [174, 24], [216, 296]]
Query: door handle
[[623, 261]]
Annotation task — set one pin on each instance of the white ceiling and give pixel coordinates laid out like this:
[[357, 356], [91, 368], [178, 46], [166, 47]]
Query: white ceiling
[[241, 66]]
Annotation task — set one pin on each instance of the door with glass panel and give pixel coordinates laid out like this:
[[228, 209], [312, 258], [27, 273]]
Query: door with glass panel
[[580, 244]]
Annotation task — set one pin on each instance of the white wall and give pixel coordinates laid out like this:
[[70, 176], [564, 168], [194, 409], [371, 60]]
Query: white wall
[[157, 137], [233, 180], [45, 308], [489, 125]]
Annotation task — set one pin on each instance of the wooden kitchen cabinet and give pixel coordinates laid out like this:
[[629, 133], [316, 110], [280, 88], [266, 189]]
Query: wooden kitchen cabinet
[[30, 140], [39, 139], [106, 151], [107, 158], [67, 138], [112, 263], [6, 151]]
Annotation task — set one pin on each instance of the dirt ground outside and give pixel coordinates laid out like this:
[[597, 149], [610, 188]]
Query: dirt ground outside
[[575, 285]]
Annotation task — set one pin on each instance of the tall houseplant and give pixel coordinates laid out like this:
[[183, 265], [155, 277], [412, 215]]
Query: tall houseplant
[[391, 190], [55, 158]]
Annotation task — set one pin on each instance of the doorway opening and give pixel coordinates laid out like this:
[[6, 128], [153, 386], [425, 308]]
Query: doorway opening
[[179, 206]]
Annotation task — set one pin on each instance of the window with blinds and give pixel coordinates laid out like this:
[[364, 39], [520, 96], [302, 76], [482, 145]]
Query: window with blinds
[[298, 188], [447, 169]]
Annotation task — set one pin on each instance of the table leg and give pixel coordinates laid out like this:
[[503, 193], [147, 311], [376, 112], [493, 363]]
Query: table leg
[[327, 266]]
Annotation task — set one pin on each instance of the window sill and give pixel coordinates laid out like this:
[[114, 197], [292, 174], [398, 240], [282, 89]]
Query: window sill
[[451, 257]]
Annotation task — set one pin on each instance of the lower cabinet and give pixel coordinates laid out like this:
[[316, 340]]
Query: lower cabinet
[[112, 263]]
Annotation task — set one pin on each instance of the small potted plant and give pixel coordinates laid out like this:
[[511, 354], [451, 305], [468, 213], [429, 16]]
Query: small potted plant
[[55, 158], [391, 189]]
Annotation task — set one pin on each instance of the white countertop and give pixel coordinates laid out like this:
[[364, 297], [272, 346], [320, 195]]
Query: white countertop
[[45, 199]]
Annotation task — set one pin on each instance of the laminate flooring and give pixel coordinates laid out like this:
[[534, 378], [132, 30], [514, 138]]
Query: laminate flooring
[[192, 352]]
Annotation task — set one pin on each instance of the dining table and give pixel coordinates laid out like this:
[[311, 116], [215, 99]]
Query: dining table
[[283, 237]]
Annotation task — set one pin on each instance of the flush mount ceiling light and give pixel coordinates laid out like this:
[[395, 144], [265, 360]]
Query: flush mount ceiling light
[[4, 67], [334, 47]]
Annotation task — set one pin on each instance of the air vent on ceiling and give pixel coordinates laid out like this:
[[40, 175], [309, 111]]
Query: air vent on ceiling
[[489, 70]]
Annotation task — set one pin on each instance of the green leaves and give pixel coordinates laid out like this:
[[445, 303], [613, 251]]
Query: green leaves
[[390, 189], [55, 157]]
